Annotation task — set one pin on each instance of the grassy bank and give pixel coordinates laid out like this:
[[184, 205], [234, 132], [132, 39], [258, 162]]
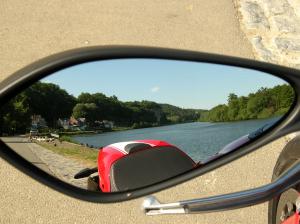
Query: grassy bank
[[67, 138], [83, 154], [67, 134]]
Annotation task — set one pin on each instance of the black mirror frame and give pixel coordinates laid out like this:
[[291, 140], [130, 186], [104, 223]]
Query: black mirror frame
[[32, 73]]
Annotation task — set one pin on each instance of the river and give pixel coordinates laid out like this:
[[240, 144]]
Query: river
[[198, 139]]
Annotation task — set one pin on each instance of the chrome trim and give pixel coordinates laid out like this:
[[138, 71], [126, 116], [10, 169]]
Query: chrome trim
[[152, 206], [159, 209]]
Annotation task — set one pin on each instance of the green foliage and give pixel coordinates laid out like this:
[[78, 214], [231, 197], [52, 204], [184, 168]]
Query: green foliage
[[15, 116], [100, 107], [86, 110], [67, 138], [45, 99], [264, 103], [49, 101], [178, 115], [52, 103], [83, 154], [142, 125]]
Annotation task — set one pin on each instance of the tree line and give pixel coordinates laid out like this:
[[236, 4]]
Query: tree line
[[52, 103], [264, 103], [45, 99]]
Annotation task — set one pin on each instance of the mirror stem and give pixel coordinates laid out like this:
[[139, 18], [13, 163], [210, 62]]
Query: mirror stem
[[151, 206]]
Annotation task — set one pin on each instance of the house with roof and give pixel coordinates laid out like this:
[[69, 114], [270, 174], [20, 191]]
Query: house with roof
[[72, 123]]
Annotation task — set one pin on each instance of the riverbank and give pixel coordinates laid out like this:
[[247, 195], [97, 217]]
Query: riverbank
[[83, 154], [62, 162], [67, 136]]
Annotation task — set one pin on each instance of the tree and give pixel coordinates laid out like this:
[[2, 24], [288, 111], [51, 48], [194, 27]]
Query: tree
[[15, 116], [49, 101], [233, 107], [89, 111], [218, 113], [264, 103]]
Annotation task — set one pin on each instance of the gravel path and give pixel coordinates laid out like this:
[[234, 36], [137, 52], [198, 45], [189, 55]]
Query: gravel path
[[62, 167]]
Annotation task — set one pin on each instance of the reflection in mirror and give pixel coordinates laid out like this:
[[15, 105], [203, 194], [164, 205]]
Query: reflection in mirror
[[121, 124]]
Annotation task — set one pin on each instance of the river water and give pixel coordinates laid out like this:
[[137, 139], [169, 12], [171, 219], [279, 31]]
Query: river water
[[198, 139]]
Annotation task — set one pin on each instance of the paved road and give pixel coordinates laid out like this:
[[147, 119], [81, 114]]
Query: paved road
[[24, 148], [30, 30]]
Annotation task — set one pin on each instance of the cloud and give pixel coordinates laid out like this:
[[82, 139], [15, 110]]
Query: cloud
[[155, 89], [45, 81]]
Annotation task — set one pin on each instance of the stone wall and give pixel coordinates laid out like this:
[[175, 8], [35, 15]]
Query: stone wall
[[273, 28]]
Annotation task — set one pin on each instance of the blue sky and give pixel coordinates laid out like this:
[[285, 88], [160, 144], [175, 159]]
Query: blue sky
[[183, 84]]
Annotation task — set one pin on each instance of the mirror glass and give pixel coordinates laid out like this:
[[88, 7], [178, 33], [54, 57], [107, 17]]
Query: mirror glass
[[122, 124]]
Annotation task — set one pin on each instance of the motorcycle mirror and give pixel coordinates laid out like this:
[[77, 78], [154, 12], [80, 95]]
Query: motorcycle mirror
[[144, 119]]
